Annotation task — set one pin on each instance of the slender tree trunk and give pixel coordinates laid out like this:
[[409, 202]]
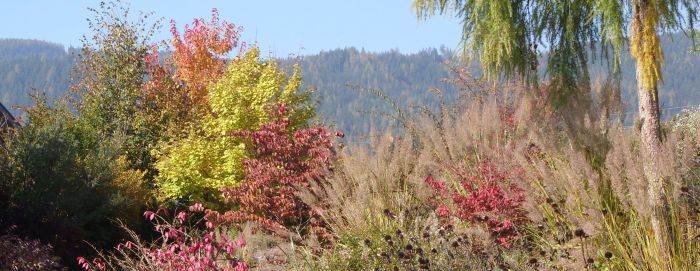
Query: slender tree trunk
[[645, 48], [650, 133]]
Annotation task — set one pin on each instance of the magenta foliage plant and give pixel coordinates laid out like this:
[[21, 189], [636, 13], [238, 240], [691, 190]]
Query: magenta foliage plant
[[185, 244], [488, 197], [284, 160]]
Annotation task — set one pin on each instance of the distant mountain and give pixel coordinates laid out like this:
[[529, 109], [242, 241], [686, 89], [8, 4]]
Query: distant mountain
[[32, 64], [46, 67], [681, 83], [342, 76], [27, 64]]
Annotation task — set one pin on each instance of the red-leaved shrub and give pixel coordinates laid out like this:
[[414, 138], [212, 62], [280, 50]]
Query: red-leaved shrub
[[488, 196], [282, 163], [184, 245]]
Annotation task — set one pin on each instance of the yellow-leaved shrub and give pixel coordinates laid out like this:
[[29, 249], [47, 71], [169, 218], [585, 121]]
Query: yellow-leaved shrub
[[195, 167]]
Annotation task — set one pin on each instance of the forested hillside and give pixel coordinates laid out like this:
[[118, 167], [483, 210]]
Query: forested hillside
[[336, 75], [340, 77], [344, 80], [32, 64], [679, 89]]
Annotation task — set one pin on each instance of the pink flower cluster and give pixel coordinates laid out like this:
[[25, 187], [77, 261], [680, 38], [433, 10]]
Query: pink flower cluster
[[182, 247], [487, 197]]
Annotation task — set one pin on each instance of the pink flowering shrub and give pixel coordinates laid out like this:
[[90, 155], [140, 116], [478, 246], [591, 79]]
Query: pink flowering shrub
[[26, 254], [184, 244], [488, 197]]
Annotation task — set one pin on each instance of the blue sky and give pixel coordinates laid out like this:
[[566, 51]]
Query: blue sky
[[280, 27]]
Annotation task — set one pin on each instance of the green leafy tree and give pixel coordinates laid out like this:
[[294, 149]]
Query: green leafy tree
[[61, 183], [111, 69], [504, 34], [196, 167]]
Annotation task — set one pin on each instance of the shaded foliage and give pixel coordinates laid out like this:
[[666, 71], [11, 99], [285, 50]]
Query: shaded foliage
[[61, 183]]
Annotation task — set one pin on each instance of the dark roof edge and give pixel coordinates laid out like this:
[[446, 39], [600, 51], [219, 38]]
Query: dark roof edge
[[6, 113]]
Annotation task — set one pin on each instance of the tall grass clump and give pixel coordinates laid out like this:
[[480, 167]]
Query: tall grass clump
[[499, 180]]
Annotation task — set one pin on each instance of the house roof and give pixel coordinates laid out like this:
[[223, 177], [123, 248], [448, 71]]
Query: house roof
[[6, 118]]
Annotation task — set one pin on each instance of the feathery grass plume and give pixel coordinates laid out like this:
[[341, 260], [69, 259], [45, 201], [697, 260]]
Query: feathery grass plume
[[585, 206]]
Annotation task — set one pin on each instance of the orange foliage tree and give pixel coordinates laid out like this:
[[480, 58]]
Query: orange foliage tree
[[200, 51], [176, 90]]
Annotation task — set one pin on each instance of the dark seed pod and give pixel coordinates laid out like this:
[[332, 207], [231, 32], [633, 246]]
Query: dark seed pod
[[368, 242], [565, 255], [532, 261], [590, 261], [389, 214], [608, 254], [580, 233], [568, 236], [387, 237]]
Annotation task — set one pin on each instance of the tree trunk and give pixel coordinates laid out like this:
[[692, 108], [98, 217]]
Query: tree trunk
[[650, 133], [646, 49]]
